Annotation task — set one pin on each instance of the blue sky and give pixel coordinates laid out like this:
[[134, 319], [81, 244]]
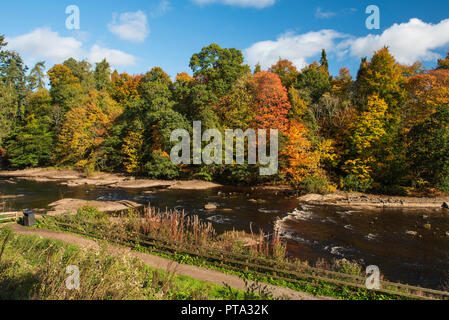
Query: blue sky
[[137, 35]]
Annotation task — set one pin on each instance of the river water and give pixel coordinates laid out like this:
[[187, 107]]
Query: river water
[[378, 237]]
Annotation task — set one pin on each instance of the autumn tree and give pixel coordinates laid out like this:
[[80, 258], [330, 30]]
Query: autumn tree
[[427, 91], [367, 134], [85, 129], [301, 160], [286, 71], [342, 85], [82, 70], [125, 87], [443, 63], [235, 110], [382, 76], [66, 90], [271, 104]]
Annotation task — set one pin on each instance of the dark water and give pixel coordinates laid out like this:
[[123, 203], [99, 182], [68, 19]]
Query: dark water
[[313, 233]]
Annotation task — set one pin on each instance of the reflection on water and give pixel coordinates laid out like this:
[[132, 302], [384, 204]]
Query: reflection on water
[[383, 238]]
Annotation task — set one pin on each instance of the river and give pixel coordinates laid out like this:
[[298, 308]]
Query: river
[[313, 233]]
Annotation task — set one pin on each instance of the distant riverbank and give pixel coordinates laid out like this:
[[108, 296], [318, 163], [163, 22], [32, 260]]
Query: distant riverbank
[[72, 178]]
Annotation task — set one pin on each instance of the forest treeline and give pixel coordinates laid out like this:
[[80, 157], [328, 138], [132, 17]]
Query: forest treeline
[[385, 131]]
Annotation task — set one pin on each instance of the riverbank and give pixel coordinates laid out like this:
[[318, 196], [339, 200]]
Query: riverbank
[[74, 178], [367, 201], [202, 275]]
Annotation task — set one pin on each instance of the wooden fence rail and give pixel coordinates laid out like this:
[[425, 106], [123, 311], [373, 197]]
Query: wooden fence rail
[[288, 272], [9, 216]]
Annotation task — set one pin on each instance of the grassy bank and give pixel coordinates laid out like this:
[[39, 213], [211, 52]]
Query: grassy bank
[[35, 268], [196, 243]]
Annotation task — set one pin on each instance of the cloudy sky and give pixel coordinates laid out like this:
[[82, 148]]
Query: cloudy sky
[[137, 35]]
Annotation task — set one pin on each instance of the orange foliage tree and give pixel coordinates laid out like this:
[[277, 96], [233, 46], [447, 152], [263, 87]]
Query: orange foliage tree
[[300, 157], [271, 104], [125, 86], [427, 91]]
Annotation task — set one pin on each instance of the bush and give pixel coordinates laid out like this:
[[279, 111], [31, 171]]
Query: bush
[[443, 184], [90, 214], [348, 267], [315, 184], [352, 183], [161, 167]]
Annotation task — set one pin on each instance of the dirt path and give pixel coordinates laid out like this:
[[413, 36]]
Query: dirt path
[[198, 273]]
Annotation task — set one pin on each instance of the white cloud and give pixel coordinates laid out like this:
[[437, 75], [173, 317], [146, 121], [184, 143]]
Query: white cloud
[[43, 44], [320, 14], [296, 48], [114, 57], [408, 42], [131, 26], [259, 4], [161, 9]]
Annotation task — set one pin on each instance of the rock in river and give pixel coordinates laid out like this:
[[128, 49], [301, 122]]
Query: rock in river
[[71, 206], [210, 207]]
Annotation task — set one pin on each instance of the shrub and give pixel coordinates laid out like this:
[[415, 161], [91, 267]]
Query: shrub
[[161, 167], [352, 183], [443, 184], [315, 184]]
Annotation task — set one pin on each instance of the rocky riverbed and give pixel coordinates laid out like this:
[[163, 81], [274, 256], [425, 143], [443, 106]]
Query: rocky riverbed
[[364, 201]]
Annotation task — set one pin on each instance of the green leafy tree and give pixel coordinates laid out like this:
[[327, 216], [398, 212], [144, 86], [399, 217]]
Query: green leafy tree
[[102, 75], [31, 144], [219, 68], [9, 108], [83, 71], [37, 76], [323, 61], [428, 151], [313, 81]]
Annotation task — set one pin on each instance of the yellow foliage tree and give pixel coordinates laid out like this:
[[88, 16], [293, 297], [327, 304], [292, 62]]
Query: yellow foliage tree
[[301, 158], [367, 132], [132, 151], [85, 129]]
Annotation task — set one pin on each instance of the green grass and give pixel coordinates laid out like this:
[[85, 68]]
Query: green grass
[[319, 288], [34, 268]]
